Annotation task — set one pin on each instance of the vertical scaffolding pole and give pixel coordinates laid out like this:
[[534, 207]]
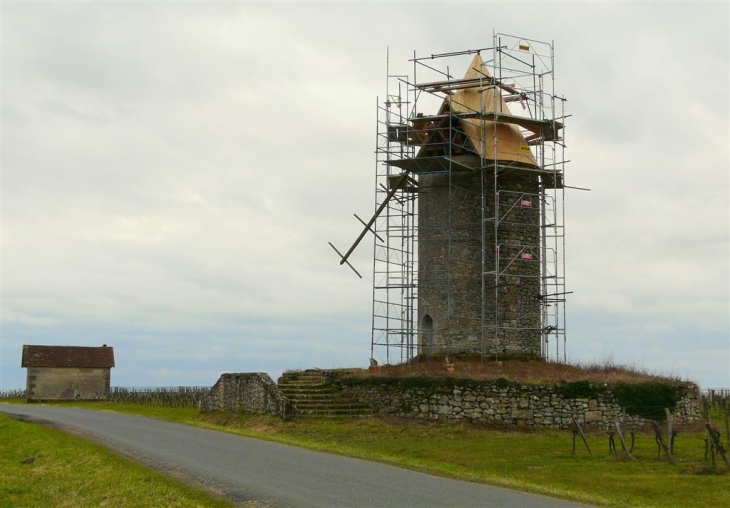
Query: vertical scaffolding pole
[[523, 70]]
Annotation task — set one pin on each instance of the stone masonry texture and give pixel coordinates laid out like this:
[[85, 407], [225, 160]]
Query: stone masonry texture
[[450, 292], [500, 403], [249, 392], [67, 383]]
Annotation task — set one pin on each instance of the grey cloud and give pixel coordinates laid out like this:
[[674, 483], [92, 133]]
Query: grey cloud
[[182, 167]]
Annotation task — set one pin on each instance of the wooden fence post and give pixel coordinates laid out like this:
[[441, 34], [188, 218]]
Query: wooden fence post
[[582, 435], [726, 409], [575, 433], [718, 445], [623, 442], [660, 440], [611, 443], [670, 436]]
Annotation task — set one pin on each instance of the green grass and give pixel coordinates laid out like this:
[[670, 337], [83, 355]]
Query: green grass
[[533, 461], [43, 467], [538, 461]]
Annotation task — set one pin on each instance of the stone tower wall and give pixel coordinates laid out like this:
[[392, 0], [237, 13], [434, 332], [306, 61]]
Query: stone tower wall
[[450, 263]]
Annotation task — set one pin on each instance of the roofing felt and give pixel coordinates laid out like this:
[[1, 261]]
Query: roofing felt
[[68, 356]]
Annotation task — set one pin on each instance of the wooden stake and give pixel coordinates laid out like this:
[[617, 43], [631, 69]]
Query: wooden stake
[[623, 442], [611, 443], [718, 445], [575, 433], [669, 429], [660, 440], [582, 435], [726, 407]]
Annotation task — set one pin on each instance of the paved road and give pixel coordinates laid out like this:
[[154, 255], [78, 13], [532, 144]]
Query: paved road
[[285, 476]]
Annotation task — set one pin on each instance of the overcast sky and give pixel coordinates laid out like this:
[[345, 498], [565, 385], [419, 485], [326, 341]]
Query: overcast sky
[[172, 173]]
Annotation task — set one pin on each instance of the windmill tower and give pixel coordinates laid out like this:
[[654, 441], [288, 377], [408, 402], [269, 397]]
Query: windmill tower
[[468, 225], [478, 225]]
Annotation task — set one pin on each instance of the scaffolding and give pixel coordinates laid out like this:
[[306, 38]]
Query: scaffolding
[[430, 139], [395, 269]]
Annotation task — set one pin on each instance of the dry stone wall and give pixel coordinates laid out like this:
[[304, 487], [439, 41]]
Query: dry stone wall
[[250, 392], [502, 402]]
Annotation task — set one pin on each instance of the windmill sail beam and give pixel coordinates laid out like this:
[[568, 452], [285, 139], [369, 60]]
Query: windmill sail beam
[[368, 226]]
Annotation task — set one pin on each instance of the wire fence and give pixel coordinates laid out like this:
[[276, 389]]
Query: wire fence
[[178, 396], [12, 394], [175, 396], [716, 397]]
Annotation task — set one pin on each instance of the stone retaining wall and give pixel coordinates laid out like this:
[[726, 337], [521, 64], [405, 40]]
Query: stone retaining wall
[[502, 402], [250, 392]]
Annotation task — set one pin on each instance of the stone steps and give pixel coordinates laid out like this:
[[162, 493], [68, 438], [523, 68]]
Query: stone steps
[[314, 396], [332, 413], [306, 377], [304, 387]]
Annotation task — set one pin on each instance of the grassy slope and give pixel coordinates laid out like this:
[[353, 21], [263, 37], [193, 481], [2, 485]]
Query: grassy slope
[[538, 461], [67, 471], [530, 371]]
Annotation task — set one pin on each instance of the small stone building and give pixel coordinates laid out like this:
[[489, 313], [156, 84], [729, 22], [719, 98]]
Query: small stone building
[[67, 372]]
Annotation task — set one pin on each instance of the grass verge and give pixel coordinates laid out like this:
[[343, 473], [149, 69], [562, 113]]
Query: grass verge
[[533, 461], [41, 467]]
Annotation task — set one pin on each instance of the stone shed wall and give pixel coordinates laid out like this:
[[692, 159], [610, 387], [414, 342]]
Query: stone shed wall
[[249, 392], [502, 403], [67, 383]]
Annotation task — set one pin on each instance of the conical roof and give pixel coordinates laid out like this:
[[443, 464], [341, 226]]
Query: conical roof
[[492, 140]]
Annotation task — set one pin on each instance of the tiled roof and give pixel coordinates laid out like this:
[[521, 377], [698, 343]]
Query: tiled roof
[[68, 356]]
